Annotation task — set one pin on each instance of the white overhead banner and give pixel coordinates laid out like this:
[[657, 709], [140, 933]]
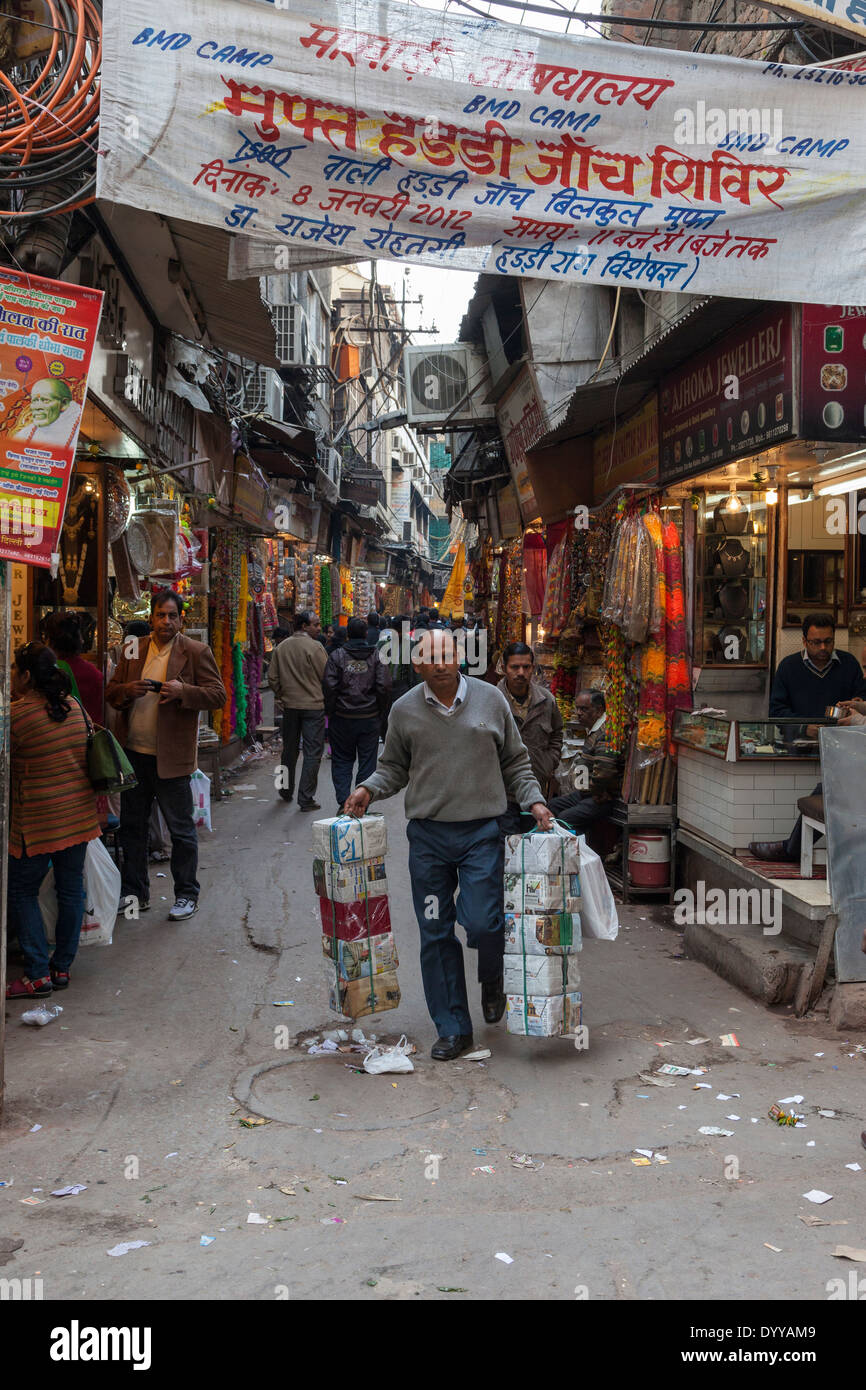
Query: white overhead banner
[[377, 129]]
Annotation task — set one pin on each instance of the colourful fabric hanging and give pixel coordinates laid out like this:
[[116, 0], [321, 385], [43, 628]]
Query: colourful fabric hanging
[[652, 699], [677, 675], [534, 572]]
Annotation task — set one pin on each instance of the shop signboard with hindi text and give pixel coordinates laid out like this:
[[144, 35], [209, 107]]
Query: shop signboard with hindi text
[[335, 128], [733, 399], [833, 373], [628, 454], [522, 420], [849, 16], [47, 335]]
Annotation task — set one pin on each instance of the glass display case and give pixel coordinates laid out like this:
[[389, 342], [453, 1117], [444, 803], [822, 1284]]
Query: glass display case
[[731, 579], [711, 733], [739, 740]]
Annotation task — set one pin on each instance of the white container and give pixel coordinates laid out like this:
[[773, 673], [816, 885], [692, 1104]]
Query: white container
[[544, 1016], [346, 839], [541, 974]]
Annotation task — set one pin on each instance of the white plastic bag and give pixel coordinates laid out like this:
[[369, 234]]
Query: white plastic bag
[[102, 898], [381, 1059], [598, 917], [200, 784]]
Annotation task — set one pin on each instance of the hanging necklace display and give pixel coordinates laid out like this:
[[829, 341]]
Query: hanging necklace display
[[734, 602], [731, 559]]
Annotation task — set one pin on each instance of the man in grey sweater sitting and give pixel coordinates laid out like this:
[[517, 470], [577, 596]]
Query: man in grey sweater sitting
[[454, 745]]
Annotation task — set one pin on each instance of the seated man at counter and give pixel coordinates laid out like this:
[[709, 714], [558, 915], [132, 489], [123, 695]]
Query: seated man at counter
[[806, 684], [598, 772]]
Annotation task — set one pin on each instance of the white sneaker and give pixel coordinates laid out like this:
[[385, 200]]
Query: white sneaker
[[183, 908]]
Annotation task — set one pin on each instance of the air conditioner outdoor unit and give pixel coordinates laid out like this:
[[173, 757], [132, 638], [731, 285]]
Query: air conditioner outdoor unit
[[293, 335], [439, 380], [264, 393]]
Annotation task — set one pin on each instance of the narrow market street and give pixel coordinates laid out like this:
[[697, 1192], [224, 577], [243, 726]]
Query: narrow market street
[[167, 1042]]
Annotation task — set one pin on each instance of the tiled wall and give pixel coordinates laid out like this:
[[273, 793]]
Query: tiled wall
[[733, 803]]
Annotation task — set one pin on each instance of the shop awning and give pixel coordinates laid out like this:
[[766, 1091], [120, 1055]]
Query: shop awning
[[296, 438], [182, 271], [596, 405]]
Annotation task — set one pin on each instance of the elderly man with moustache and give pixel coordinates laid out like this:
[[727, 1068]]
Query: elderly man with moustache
[[454, 745]]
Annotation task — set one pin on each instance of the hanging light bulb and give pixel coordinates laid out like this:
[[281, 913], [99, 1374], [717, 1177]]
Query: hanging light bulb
[[732, 504], [772, 494]]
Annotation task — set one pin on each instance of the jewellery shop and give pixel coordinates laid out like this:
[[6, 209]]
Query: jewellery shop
[[769, 473]]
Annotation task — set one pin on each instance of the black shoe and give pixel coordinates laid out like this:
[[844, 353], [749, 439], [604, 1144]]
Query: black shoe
[[446, 1049], [309, 806], [286, 795], [493, 999]]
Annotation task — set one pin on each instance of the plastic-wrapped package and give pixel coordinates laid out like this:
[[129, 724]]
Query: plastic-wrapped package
[[544, 1016], [352, 921], [541, 974], [355, 959]]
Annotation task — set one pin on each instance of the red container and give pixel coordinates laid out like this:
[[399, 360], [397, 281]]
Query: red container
[[649, 860], [353, 921]]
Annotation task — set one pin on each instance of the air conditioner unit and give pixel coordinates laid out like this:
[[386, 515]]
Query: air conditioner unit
[[439, 380], [293, 335], [263, 394], [407, 532]]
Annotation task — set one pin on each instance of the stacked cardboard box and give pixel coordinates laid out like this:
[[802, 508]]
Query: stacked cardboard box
[[542, 934], [352, 887]]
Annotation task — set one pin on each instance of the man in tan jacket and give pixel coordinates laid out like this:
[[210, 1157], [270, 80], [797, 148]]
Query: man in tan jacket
[[159, 686], [295, 677]]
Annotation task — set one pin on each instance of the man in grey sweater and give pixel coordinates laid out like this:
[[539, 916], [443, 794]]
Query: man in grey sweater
[[454, 745]]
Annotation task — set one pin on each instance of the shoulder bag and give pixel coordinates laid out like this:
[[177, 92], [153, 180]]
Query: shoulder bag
[[108, 767]]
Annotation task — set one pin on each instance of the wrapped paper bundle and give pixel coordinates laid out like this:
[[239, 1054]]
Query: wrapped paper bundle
[[542, 933], [542, 853], [347, 839], [357, 959], [369, 995], [348, 883], [533, 892], [541, 974], [544, 1016]]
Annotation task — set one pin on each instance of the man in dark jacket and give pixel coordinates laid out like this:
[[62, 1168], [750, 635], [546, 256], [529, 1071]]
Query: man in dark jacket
[[355, 686], [807, 683], [539, 721]]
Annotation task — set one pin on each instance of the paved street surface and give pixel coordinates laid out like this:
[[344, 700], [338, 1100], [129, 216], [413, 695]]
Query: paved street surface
[[168, 1039]]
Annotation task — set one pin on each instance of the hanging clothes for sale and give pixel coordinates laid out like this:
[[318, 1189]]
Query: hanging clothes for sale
[[534, 573], [651, 723], [678, 680]]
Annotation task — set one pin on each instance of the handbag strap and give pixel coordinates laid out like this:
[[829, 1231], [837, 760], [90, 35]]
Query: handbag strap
[[87, 720]]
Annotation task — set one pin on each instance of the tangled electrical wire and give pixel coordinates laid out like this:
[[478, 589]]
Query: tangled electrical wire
[[49, 113]]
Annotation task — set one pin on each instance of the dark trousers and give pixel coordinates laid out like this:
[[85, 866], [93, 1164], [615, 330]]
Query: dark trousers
[[351, 739], [579, 810], [307, 725], [445, 856], [514, 821], [794, 841], [174, 798], [25, 916]]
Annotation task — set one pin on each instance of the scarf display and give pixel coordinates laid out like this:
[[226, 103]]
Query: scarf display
[[678, 683]]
